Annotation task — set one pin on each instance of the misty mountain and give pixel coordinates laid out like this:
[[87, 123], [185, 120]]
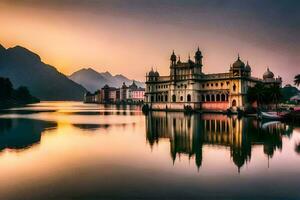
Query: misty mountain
[[25, 68], [93, 80]]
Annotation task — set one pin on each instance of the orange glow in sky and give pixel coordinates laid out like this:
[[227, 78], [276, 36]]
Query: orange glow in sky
[[73, 38]]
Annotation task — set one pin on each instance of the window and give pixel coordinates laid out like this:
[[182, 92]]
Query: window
[[234, 87], [222, 97], [222, 84], [211, 84], [189, 98], [203, 85], [166, 98], [218, 97], [202, 98], [152, 98], [173, 98], [217, 84], [207, 97], [213, 97], [181, 98], [233, 103]]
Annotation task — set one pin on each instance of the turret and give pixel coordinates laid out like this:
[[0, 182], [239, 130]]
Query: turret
[[198, 57], [173, 59]]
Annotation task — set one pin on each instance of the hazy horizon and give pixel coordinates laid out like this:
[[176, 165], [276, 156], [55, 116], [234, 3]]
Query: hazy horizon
[[129, 37]]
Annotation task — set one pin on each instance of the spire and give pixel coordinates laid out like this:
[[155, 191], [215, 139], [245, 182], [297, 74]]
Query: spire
[[173, 57], [238, 56]]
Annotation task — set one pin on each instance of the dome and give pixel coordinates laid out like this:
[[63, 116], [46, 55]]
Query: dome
[[173, 57], [151, 73], [247, 68], [268, 74], [238, 63], [156, 73]]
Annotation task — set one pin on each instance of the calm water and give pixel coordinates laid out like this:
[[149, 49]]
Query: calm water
[[68, 150]]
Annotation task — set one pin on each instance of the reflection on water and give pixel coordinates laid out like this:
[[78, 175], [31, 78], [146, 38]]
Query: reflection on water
[[21, 133], [70, 150], [189, 133]]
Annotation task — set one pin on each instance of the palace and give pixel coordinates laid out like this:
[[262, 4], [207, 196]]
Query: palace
[[188, 87]]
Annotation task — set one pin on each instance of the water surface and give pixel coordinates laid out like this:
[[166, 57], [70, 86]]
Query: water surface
[[70, 150]]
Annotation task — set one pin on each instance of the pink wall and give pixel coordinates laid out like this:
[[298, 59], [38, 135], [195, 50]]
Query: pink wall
[[215, 105]]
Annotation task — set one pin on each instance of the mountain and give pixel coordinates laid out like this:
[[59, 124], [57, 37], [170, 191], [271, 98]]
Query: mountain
[[93, 80], [25, 68]]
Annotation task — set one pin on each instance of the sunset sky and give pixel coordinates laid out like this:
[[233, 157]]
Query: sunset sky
[[131, 36]]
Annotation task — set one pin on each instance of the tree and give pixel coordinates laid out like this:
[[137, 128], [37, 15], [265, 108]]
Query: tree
[[257, 94], [6, 89], [264, 95], [22, 94], [274, 95], [297, 80]]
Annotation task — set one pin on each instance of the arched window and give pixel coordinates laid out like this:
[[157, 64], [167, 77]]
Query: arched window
[[223, 97], [188, 98], [234, 87], [218, 97], [203, 98], [226, 97], [166, 98], [207, 97], [212, 97], [181, 98], [173, 98], [233, 103], [152, 98]]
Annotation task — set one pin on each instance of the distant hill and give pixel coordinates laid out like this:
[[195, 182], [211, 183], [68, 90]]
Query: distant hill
[[25, 68], [289, 91], [93, 80]]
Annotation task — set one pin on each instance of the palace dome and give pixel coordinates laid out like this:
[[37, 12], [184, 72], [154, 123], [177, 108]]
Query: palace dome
[[268, 74], [156, 73], [248, 68], [238, 63], [151, 73]]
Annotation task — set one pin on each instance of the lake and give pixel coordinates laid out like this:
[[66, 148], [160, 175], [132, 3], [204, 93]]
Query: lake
[[70, 150]]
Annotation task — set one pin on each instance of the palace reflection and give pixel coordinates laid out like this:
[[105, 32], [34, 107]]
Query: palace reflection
[[189, 133]]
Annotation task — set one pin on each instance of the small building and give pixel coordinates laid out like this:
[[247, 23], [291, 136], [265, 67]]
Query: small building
[[89, 98], [136, 94], [109, 94]]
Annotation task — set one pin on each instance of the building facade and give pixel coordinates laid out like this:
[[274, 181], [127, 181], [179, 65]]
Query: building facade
[[187, 86], [131, 94]]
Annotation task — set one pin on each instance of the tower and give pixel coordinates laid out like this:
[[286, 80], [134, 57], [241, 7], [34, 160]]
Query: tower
[[198, 57], [173, 59], [198, 62]]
